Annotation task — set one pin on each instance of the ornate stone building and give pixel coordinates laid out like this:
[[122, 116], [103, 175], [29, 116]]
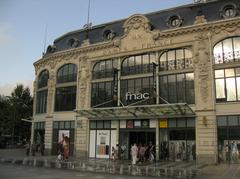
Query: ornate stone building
[[170, 78]]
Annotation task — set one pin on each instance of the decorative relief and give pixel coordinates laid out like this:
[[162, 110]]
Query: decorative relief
[[51, 89], [200, 19], [202, 65], [136, 22], [84, 75]]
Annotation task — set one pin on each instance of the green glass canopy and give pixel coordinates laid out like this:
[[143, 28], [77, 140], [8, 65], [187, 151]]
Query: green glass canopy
[[139, 112]]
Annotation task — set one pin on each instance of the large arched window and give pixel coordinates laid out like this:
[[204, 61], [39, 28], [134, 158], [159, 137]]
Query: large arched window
[[176, 59], [138, 64], [104, 69], [42, 92], [227, 50], [65, 99], [67, 73]]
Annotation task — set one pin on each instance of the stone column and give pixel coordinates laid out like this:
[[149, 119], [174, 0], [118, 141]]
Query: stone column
[[206, 128], [50, 110], [82, 127]]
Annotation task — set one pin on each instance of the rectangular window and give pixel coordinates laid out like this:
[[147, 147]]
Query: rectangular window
[[227, 85], [221, 120], [41, 103], [65, 98]]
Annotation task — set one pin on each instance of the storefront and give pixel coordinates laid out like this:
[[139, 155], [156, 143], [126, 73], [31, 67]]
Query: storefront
[[228, 138], [63, 129], [177, 139], [39, 134], [138, 124]]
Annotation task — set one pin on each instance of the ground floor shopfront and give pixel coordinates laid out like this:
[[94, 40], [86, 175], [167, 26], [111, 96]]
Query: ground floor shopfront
[[173, 138]]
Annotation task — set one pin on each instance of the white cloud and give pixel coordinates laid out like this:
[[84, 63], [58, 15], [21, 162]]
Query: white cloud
[[6, 89]]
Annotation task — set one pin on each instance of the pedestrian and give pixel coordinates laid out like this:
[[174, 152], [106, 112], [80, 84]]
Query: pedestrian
[[33, 149], [116, 152], [42, 148], [141, 153], [27, 146], [134, 153]]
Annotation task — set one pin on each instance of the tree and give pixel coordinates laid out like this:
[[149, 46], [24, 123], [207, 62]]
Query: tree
[[21, 106]]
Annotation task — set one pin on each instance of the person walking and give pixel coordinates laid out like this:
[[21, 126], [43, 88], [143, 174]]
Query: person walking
[[28, 146], [134, 153]]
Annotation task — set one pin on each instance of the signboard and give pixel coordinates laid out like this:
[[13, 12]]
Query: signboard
[[102, 146], [163, 123], [136, 96]]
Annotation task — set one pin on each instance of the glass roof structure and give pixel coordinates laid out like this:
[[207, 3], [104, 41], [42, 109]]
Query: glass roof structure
[[139, 112]]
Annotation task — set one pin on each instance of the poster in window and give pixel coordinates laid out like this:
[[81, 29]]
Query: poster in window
[[62, 134], [102, 146], [163, 123], [137, 123], [130, 124]]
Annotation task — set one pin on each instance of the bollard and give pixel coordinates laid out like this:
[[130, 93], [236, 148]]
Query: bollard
[[45, 163], [121, 169], [146, 171]]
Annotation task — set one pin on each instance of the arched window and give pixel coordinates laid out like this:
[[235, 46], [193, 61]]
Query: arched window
[[176, 59], [227, 50], [65, 99], [138, 64], [104, 69], [42, 92], [43, 79], [67, 73]]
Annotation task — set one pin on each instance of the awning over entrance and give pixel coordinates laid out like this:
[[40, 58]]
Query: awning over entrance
[[139, 112]]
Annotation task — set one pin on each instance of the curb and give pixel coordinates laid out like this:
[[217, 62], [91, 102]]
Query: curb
[[153, 171]]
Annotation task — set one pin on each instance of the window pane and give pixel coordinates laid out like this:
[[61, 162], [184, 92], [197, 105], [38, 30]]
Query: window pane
[[55, 125], [100, 124], [67, 125], [190, 122], [163, 62], [237, 71], [181, 122], [107, 124], [171, 60], [238, 87], [222, 120], [236, 44], [219, 73], [93, 124], [218, 53], [188, 53], [231, 89], [229, 72], [181, 87], [228, 50], [172, 123], [220, 91], [163, 88], [172, 88], [61, 125], [72, 124], [232, 120]]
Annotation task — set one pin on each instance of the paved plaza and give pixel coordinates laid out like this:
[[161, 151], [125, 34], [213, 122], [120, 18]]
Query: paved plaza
[[14, 163]]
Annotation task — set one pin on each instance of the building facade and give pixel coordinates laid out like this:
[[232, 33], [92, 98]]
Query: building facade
[[170, 78]]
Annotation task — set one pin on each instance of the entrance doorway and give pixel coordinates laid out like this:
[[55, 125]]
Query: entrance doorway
[[141, 137], [128, 138]]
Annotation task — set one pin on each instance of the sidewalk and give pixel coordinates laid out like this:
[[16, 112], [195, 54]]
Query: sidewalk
[[159, 169]]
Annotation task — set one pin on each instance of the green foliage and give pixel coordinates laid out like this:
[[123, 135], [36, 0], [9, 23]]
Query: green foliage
[[14, 108]]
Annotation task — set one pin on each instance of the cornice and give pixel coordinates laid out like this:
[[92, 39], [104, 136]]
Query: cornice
[[230, 25]]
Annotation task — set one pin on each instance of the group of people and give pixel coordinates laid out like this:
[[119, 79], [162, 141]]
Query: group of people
[[34, 147], [63, 148], [142, 153]]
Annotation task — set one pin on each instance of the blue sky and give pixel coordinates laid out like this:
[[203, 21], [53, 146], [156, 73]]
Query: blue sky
[[23, 22]]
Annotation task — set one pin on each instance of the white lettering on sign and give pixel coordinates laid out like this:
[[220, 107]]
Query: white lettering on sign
[[132, 96]]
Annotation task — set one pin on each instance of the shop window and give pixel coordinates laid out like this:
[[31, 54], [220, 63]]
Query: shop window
[[227, 50], [137, 124], [72, 124], [104, 69], [227, 85], [181, 122], [176, 59], [107, 124], [138, 64], [233, 121], [93, 124], [190, 122], [172, 123], [99, 124], [177, 88]]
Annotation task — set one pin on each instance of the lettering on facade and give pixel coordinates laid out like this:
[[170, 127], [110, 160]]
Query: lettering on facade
[[138, 96]]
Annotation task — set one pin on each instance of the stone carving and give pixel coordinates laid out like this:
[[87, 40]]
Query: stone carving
[[135, 22], [84, 75], [200, 19], [51, 89], [201, 62]]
